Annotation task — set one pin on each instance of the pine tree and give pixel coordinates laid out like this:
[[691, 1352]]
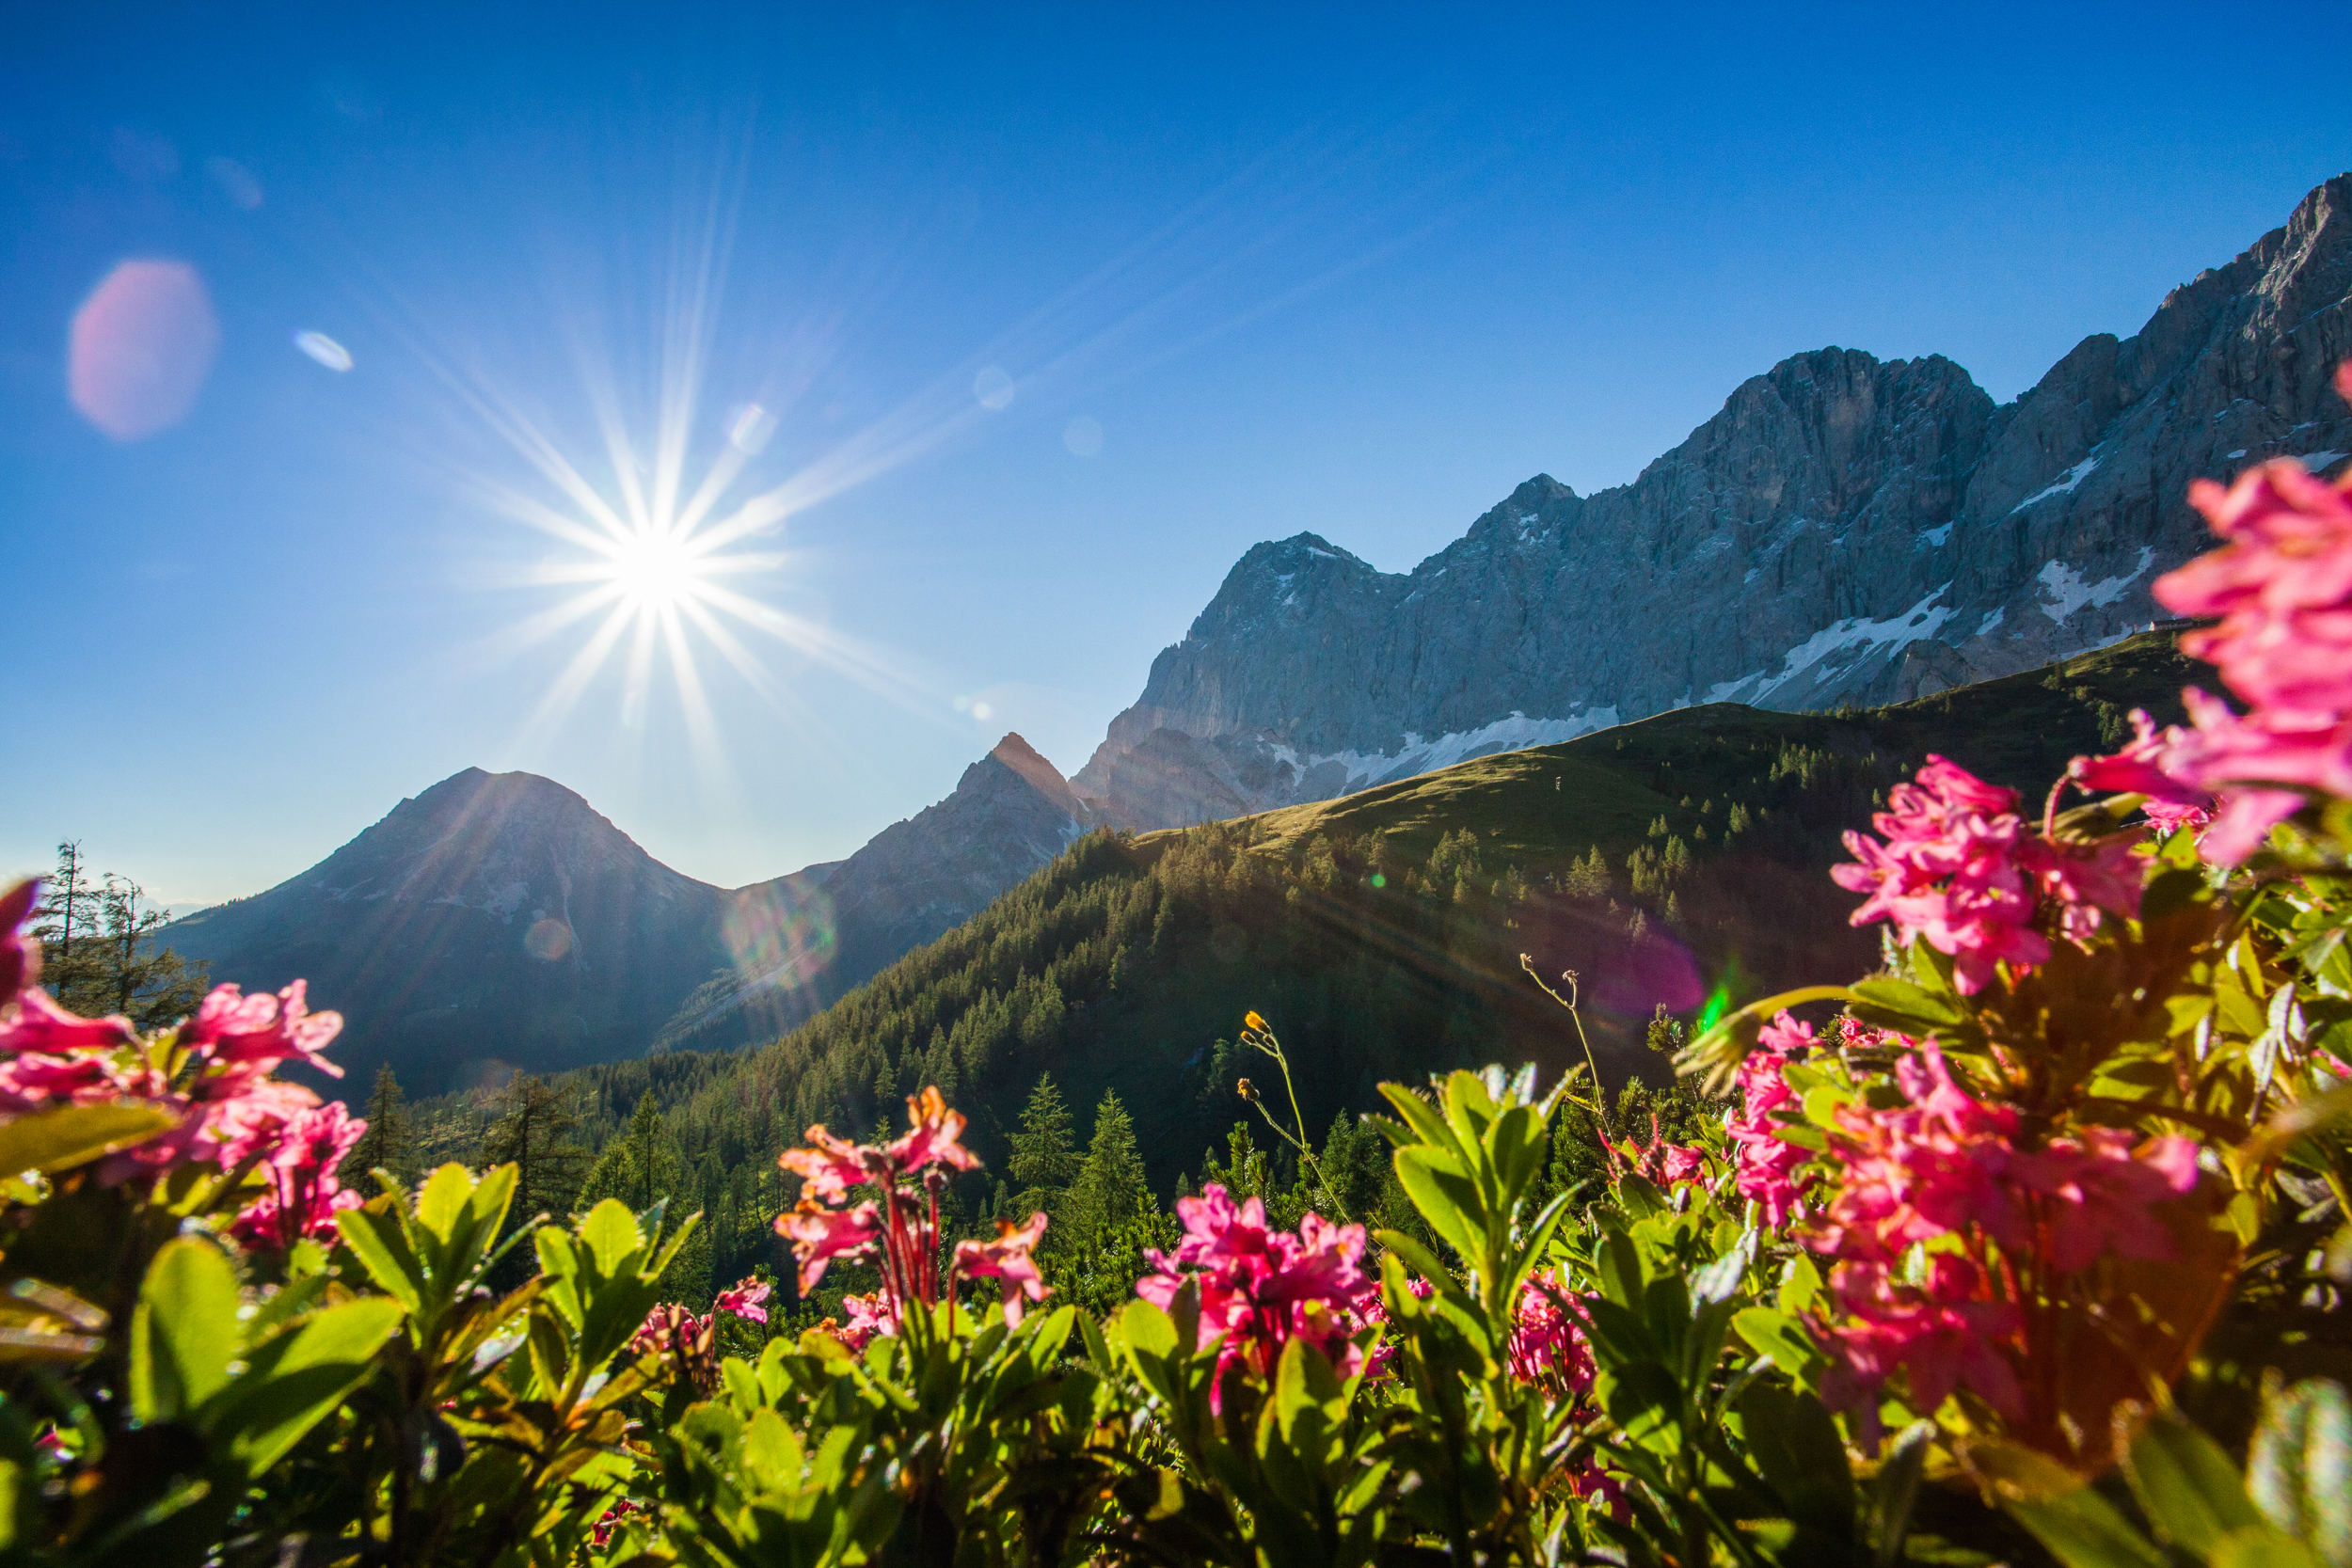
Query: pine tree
[[99, 953], [1111, 1187], [532, 1132], [386, 1144], [127, 972], [67, 914], [1044, 1162]]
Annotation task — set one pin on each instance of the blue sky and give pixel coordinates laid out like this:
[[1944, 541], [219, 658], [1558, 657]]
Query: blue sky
[[1244, 270]]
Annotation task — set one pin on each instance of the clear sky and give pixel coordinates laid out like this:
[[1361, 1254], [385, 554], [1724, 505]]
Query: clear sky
[[1019, 323]]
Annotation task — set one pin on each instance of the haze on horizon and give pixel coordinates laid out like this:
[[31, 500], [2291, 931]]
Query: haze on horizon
[[377, 394]]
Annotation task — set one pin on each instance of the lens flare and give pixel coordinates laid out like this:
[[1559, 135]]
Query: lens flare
[[141, 347]]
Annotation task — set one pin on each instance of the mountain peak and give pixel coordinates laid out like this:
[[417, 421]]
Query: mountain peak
[[1040, 774]]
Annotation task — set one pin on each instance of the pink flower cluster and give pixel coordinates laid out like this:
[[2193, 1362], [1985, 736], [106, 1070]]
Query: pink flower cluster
[[215, 1078], [744, 1301], [610, 1520], [900, 1230], [1547, 1346], [1668, 1165], [2282, 587], [871, 1317], [1261, 1289], [1947, 1175], [1765, 1164], [305, 1194], [1960, 868], [681, 1341]]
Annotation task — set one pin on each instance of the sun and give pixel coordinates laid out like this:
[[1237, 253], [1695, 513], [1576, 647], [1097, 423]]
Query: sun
[[658, 571]]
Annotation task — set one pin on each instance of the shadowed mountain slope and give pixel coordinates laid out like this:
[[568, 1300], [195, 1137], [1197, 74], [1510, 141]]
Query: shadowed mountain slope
[[498, 921], [495, 918]]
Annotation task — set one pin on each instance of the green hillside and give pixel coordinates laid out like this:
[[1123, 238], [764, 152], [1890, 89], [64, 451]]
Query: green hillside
[[1380, 934]]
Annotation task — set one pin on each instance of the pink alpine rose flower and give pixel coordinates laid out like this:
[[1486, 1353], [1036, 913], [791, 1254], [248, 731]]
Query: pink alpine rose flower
[[304, 1193], [1764, 1163], [38, 1024], [818, 1235], [1959, 868], [2138, 768], [20, 956], [263, 1030], [744, 1301], [2281, 584], [1007, 1259], [1546, 1344], [871, 1317], [932, 1129], [1944, 1334], [831, 1166], [1259, 1288]]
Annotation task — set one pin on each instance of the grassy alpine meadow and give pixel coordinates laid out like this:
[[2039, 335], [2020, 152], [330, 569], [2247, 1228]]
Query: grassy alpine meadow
[[2031, 1245]]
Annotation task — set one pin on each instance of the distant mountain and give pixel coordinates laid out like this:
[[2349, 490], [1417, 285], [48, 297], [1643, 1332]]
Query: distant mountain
[[800, 944], [495, 918], [1846, 530], [498, 921]]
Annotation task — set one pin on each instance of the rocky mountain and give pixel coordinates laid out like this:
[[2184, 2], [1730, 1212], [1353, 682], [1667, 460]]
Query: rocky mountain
[[1847, 530], [498, 921]]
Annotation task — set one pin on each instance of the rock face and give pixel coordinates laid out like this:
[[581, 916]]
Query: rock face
[[495, 919], [1847, 530]]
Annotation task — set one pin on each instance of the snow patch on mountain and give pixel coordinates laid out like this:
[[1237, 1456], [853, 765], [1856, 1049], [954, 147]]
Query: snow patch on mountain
[[2064, 486], [1418, 755], [1857, 635], [2069, 593]]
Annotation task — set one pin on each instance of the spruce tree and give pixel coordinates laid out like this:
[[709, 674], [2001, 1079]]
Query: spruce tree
[[1044, 1160], [386, 1144], [1111, 1187]]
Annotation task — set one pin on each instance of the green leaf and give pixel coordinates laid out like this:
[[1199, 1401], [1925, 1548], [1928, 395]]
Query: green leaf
[[381, 1245], [1899, 1004], [2260, 1547], [76, 1134], [1780, 1338], [2083, 1529], [2300, 1469], [1447, 1198], [1800, 1283], [447, 1193], [1895, 1491], [611, 1234], [2187, 1486], [183, 1332], [295, 1379]]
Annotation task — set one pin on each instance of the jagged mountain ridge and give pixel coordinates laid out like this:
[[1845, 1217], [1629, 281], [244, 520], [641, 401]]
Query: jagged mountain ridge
[[1846, 529], [498, 921]]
